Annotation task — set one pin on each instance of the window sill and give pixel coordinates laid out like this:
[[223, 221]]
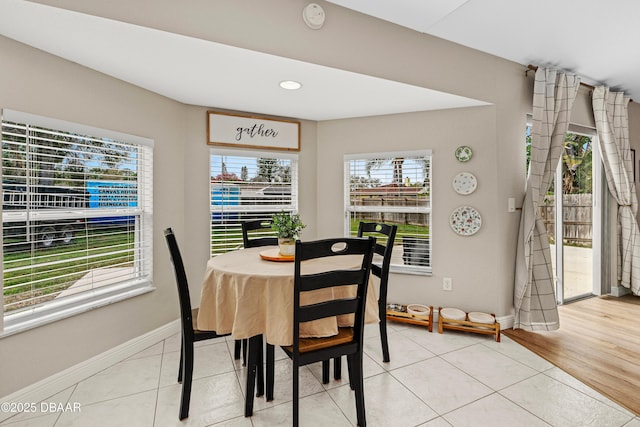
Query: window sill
[[414, 271], [49, 313]]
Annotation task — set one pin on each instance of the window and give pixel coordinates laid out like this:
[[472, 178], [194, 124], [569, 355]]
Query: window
[[394, 188], [76, 217], [248, 185]]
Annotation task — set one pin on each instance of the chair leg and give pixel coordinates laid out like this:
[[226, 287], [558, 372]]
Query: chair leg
[[245, 348], [383, 338], [358, 380], [337, 368], [350, 369], [252, 365], [260, 368], [270, 371], [296, 390], [187, 376], [325, 372], [237, 349], [180, 365]]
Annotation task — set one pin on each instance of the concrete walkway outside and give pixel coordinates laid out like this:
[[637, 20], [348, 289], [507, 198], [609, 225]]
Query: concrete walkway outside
[[97, 278]]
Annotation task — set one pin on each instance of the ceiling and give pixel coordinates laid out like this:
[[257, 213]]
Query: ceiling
[[132, 53], [138, 55], [595, 39]]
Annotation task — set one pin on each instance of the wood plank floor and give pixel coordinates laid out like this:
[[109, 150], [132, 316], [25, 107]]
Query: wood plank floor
[[598, 343]]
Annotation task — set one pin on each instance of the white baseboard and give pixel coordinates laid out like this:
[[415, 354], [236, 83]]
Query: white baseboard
[[60, 381], [619, 291], [506, 322]]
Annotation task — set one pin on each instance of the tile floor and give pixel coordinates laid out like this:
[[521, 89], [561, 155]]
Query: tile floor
[[433, 380]]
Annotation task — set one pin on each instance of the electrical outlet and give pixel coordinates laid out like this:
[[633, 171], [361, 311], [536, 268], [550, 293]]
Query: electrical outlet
[[447, 284]]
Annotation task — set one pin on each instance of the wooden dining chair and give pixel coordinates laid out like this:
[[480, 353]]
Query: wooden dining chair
[[385, 235], [349, 340], [250, 229], [189, 320]]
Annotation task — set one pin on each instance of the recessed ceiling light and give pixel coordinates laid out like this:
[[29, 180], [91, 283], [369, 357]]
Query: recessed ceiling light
[[290, 85]]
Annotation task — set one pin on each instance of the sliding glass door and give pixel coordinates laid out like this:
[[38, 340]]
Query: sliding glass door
[[572, 213]]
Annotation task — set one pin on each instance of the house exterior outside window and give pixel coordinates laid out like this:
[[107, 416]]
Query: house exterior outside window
[[394, 188], [248, 185]]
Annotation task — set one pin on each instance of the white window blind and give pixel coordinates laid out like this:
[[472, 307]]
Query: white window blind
[[248, 185], [393, 188], [76, 217]]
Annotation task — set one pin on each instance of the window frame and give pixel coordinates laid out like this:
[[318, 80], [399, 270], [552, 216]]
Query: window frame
[[99, 296], [427, 209]]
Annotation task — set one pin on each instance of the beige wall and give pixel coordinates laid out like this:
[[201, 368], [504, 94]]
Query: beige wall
[[38, 83], [464, 259], [482, 266]]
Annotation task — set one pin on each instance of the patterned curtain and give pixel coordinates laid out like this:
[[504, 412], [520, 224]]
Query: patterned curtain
[[534, 294], [612, 123]]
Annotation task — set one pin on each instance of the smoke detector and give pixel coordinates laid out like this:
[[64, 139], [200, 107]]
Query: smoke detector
[[313, 16]]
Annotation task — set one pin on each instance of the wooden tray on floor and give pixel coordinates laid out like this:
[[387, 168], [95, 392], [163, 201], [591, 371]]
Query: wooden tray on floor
[[468, 326], [414, 319]]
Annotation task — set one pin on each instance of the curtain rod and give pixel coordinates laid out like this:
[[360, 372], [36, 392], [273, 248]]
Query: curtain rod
[[534, 68]]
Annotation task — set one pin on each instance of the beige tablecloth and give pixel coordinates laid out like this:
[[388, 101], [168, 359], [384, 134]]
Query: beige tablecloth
[[244, 295]]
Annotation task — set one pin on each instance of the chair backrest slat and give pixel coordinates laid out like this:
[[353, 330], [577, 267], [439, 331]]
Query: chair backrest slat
[[327, 309], [376, 270], [260, 224], [330, 279]]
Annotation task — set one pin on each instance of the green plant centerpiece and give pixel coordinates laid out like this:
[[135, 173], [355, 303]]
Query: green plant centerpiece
[[288, 226]]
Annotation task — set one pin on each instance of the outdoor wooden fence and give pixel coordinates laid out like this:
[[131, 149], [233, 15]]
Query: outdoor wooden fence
[[399, 217], [577, 218]]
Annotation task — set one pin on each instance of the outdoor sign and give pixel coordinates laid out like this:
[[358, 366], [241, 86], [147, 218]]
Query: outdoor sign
[[255, 132]]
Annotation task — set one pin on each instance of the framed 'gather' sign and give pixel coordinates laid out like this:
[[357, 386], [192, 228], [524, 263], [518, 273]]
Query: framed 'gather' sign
[[234, 130]]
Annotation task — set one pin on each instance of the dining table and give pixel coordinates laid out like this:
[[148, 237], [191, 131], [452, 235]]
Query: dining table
[[249, 294]]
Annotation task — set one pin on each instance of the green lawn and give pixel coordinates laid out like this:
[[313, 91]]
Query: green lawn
[[230, 238], [33, 272], [403, 229]]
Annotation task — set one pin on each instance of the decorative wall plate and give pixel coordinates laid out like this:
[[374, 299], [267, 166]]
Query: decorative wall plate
[[464, 153], [465, 183], [465, 221]]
